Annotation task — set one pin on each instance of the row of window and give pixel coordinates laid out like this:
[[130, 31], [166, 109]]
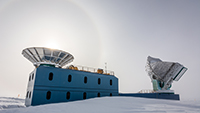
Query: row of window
[[28, 94], [70, 79], [48, 95], [31, 76]]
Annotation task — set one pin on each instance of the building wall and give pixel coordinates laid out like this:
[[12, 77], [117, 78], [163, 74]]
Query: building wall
[[60, 88], [30, 87]]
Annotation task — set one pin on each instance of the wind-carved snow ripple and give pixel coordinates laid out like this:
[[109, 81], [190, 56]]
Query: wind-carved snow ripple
[[11, 102]]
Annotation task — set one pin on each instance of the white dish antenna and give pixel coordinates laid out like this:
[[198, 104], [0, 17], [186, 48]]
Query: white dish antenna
[[162, 73], [43, 55]]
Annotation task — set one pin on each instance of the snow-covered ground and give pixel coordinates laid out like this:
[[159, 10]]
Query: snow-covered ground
[[10, 102], [103, 105]]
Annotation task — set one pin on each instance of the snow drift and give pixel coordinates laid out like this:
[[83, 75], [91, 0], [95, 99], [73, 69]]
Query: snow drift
[[106, 105]]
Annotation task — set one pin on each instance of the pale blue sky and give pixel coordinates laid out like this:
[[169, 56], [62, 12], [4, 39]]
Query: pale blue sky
[[122, 33]]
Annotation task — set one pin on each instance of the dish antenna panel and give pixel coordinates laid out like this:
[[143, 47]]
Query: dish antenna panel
[[46, 56], [162, 74]]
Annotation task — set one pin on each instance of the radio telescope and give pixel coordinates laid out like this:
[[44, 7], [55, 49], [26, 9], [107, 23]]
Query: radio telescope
[[162, 74], [46, 56]]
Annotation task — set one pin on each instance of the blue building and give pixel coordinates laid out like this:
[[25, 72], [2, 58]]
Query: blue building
[[49, 83]]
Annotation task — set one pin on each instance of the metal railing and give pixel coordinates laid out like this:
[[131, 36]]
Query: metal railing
[[90, 69], [146, 91]]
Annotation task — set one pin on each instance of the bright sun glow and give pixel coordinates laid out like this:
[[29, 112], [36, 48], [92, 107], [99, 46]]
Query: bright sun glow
[[52, 45]]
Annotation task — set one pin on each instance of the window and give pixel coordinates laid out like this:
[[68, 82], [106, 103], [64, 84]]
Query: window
[[32, 76], [50, 76], [68, 95], [99, 81], [110, 82], [110, 94], [84, 95], [85, 80], [69, 78], [27, 94], [98, 95], [30, 95], [48, 95]]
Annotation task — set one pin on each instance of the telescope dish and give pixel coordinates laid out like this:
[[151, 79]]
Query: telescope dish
[[43, 55], [163, 73]]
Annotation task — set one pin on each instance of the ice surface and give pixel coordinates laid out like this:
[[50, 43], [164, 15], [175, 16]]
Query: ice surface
[[105, 105]]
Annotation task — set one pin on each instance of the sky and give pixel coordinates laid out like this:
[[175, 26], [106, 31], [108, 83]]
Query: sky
[[122, 33]]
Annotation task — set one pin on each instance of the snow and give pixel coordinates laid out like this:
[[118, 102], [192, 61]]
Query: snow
[[10, 102], [103, 105]]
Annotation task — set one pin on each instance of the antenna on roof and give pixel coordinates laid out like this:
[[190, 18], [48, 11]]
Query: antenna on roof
[[105, 67], [47, 56]]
